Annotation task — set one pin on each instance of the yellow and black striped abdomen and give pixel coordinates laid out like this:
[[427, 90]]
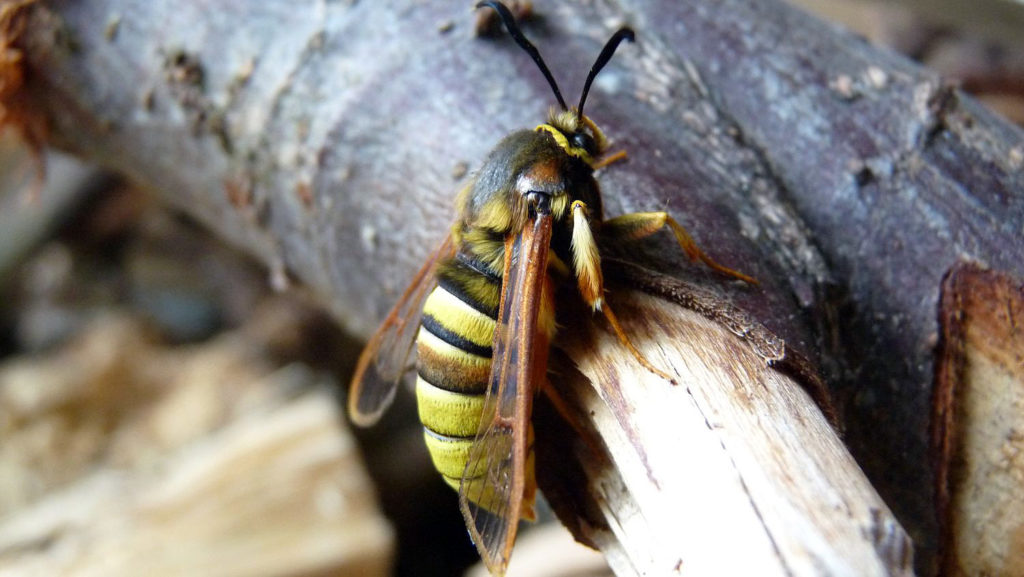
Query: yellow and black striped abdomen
[[454, 350]]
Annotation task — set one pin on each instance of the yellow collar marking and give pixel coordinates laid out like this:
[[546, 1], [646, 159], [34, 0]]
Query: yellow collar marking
[[564, 143]]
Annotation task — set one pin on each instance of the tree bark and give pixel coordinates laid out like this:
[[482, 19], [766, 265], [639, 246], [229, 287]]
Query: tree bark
[[327, 139]]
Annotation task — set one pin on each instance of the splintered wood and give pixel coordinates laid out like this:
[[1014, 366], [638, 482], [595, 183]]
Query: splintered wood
[[734, 471], [121, 456], [978, 429]]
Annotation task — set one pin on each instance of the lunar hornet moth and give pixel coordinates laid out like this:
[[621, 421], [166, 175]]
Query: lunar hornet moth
[[481, 311]]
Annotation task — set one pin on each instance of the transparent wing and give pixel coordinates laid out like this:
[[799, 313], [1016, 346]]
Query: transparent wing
[[385, 358], [491, 492]]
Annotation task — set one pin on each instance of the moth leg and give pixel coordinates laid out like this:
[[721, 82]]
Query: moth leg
[[643, 224], [561, 407], [587, 266], [602, 144], [609, 159], [527, 512], [586, 258], [624, 339]]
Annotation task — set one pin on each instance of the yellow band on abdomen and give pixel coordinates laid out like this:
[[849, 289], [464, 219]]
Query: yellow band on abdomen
[[449, 455], [447, 352], [460, 318], [447, 413]]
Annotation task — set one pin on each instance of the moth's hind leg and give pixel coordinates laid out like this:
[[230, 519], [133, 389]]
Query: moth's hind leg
[[630, 227], [587, 264]]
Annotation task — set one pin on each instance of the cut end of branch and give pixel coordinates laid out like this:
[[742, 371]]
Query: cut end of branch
[[646, 470], [977, 422]]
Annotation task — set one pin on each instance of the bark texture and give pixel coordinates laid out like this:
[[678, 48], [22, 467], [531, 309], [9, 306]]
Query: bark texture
[[328, 138]]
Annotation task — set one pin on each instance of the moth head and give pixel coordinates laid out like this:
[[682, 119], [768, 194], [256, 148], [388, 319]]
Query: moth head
[[580, 137]]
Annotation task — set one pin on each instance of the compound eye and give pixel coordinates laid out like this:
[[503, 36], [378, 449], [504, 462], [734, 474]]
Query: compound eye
[[584, 141]]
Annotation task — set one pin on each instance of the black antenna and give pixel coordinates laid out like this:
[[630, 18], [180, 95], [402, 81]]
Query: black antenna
[[517, 35], [602, 59]]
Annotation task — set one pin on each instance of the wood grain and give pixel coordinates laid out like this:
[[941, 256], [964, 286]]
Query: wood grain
[[733, 471]]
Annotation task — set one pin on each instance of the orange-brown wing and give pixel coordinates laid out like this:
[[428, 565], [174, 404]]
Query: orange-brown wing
[[385, 358], [491, 492]]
